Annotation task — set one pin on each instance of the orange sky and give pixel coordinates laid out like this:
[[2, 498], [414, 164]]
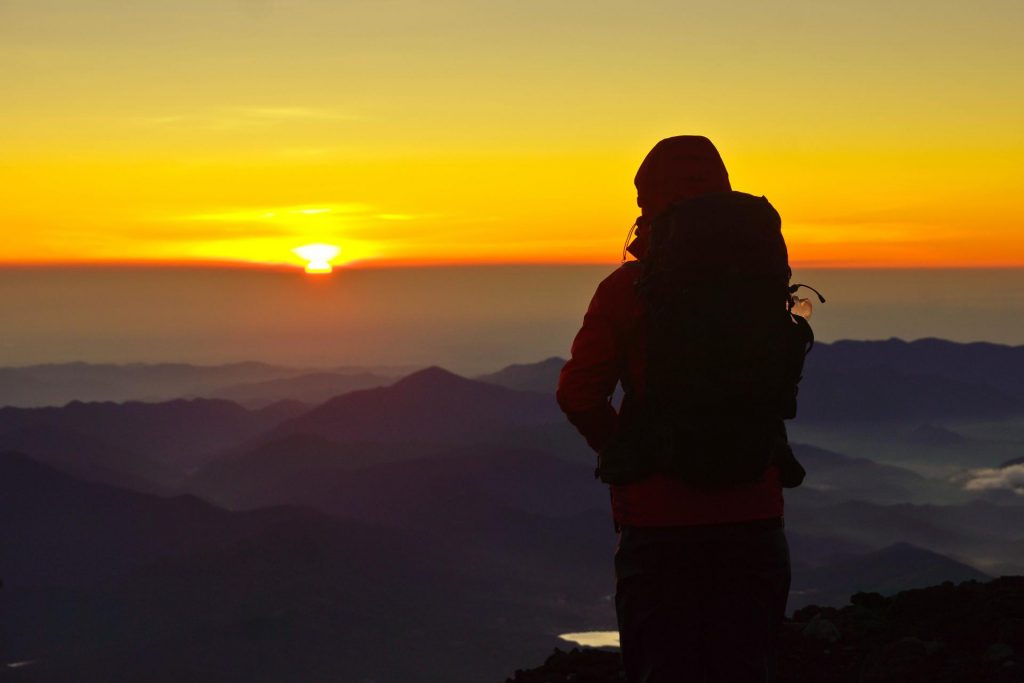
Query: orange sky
[[457, 131]]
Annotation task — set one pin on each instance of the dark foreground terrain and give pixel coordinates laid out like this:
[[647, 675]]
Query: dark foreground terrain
[[968, 632]]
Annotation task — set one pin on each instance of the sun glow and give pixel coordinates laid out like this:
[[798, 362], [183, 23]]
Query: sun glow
[[871, 157], [319, 257]]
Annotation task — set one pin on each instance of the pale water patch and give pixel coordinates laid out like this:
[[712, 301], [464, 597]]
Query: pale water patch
[[592, 638]]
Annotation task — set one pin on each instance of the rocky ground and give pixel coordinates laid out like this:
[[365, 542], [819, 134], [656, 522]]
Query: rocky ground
[[944, 634]]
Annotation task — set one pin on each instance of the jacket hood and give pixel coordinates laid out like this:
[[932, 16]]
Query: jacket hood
[[679, 168], [676, 168]]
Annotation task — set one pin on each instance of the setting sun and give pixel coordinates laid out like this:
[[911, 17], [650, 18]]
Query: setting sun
[[319, 257]]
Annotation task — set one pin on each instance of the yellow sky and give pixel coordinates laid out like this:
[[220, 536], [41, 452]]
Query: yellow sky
[[456, 131]]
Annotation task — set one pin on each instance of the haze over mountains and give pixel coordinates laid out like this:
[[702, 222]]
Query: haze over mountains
[[471, 320], [437, 527], [248, 383], [115, 585]]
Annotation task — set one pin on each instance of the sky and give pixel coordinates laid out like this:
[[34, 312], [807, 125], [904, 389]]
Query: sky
[[453, 131]]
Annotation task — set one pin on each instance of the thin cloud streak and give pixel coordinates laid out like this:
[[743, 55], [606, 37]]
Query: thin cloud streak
[[236, 118], [285, 213]]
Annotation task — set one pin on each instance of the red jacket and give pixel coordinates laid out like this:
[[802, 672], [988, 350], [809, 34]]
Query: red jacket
[[609, 348]]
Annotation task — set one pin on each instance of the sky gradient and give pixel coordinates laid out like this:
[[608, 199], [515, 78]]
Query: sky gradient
[[887, 134]]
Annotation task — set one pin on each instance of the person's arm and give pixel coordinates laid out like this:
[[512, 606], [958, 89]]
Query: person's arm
[[587, 381]]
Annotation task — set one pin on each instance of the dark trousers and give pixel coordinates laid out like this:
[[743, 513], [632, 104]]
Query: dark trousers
[[701, 603]]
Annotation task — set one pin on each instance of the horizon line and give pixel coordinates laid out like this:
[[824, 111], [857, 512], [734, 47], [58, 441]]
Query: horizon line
[[415, 367], [386, 264]]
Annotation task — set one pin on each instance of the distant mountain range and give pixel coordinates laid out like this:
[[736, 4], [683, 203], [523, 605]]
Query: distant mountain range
[[143, 445], [541, 377], [407, 493], [197, 593], [831, 473], [877, 380], [59, 383], [982, 534], [429, 406], [456, 552], [251, 383], [311, 388], [897, 567], [456, 517], [844, 381]]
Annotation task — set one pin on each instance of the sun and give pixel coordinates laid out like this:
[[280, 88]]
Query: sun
[[319, 257]]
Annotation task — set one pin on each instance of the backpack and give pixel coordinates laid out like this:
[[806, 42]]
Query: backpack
[[724, 353]]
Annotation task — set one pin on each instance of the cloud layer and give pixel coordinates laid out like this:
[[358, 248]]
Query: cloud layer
[[1009, 478]]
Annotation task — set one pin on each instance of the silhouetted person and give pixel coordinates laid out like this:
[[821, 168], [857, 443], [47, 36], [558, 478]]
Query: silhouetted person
[[702, 564]]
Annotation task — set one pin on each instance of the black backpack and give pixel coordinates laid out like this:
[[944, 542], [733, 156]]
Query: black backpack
[[724, 352]]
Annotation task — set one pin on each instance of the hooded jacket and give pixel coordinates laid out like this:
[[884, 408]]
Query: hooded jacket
[[609, 348]]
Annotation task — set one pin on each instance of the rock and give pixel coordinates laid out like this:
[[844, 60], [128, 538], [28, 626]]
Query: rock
[[967, 632]]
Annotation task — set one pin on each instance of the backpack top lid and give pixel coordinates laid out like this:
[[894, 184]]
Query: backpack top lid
[[719, 236]]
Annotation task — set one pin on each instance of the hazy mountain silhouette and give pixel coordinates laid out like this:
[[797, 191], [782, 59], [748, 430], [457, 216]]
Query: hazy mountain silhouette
[[275, 469], [976, 366], [70, 532], [193, 592], [928, 378], [90, 458], [311, 388], [431, 405], [995, 365], [541, 377], [457, 518], [407, 493], [876, 380], [886, 393], [59, 383], [982, 534], [833, 477], [933, 435], [897, 567], [815, 551], [150, 444], [559, 439], [481, 505], [251, 383]]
